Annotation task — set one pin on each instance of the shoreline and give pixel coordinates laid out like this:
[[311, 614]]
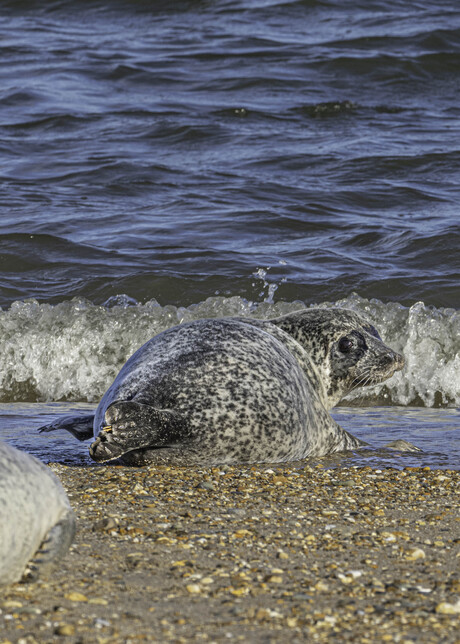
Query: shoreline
[[259, 554]]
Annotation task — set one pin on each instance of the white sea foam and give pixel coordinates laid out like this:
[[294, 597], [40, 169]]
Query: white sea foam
[[73, 350], [429, 339]]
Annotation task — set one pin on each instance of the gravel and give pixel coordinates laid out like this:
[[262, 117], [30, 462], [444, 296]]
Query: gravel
[[258, 554]]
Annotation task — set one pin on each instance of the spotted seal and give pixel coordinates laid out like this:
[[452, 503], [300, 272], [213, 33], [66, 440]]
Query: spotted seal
[[37, 524], [237, 390]]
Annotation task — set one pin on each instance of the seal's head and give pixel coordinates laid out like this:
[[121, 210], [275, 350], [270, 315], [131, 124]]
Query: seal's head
[[345, 349]]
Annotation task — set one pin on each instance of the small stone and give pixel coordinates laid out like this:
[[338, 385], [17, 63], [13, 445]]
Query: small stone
[[347, 483], [267, 613], [64, 629], [76, 597], [282, 555], [11, 603], [349, 576], [445, 608], [345, 579], [262, 613], [138, 489], [105, 525], [243, 590], [321, 586], [242, 533], [206, 485], [412, 554], [302, 597], [193, 589], [275, 579]]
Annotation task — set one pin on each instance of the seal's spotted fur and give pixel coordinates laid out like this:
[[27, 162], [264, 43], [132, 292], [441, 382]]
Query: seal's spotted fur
[[239, 390], [37, 524]]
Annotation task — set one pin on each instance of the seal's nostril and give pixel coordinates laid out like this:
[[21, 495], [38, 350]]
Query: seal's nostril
[[398, 361]]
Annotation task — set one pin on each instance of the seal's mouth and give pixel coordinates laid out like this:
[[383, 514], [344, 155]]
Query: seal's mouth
[[390, 364], [398, 362]]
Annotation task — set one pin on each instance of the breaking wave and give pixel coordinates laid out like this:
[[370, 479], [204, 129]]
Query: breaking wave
[[73, 350]]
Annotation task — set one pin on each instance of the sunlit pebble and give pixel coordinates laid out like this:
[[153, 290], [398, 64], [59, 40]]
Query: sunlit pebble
[[412, 554]]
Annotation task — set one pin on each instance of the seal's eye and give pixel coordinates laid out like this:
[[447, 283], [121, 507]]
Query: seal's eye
[[345, 345]]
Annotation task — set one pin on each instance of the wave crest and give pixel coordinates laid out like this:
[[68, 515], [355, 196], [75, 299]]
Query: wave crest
[[72, 351]]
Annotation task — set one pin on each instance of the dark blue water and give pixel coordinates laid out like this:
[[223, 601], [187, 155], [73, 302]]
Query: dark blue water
[[169, 150], [213, 158]]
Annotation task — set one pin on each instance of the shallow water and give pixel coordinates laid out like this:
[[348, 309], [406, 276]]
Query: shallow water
[[435, 431]]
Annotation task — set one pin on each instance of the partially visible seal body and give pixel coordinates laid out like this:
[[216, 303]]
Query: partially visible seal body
[[237, 390], [37, 524]]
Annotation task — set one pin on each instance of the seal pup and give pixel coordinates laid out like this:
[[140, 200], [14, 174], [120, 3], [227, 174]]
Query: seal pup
[[237, 390], [37, 524]]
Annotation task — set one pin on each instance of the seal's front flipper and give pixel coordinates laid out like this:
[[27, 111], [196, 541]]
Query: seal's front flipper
[[79, 426], [52, 549], [131, 425], [402, 446]]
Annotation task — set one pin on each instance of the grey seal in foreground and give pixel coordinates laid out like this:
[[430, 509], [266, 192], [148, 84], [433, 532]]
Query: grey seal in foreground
[[37, 524], [237, 390]]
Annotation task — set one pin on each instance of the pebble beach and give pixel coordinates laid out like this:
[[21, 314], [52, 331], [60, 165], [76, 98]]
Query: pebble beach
[[258, 554]]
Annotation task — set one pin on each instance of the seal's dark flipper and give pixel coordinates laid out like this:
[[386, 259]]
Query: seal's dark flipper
[[402, 446], [131, 425], [52, 549], [79, 426]]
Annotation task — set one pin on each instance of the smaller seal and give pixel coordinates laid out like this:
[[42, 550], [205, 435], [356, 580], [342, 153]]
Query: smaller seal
[[37, 524]]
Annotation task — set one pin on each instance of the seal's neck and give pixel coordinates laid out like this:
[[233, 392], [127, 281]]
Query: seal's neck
[[313, 358]]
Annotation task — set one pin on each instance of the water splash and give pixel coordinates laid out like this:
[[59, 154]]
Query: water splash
[[72, 351], [272, 287]]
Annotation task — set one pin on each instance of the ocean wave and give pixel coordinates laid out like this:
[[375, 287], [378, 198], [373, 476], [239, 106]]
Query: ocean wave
[[73, 350]]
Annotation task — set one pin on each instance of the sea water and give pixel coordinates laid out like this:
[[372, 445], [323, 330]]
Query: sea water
[[162, 162]]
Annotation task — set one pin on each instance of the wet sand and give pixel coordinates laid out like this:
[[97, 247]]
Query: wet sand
[[260, 554]]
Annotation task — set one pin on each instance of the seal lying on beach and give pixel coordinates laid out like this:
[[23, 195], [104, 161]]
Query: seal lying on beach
[[37, 524], [237, 390]]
